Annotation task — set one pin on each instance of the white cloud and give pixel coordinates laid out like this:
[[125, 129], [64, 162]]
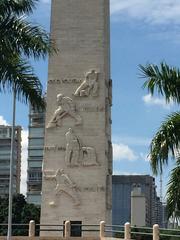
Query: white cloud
[[150, 11], [24, 143], [132, 140], [149, 100], [122, 151], [3, 121]]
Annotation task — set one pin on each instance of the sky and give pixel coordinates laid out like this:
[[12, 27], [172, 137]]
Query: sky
[[142, 31]]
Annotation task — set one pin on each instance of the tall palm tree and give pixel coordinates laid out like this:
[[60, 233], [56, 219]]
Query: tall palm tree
[[165, 80], [20, 40], [173, 193]]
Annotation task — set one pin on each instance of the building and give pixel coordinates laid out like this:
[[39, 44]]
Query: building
[[122, 185], [164, 216], [138, 207], [5, 152], [35, 155]]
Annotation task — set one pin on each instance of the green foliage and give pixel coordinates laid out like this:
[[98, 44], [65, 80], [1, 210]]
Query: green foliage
[[22, 213], [165, 80], [19, 41], [20, 6], [173, 192], [165, 142]]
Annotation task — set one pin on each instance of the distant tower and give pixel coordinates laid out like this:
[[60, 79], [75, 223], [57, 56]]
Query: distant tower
[[77, 164], [5, 150], [35, 155], [138, 207]]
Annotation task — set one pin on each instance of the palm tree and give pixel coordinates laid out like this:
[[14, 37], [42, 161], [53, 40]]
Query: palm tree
[[20, 40], [165, 80], [173, 193]]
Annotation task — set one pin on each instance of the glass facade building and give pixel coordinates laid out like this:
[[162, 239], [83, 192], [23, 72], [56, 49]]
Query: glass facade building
[[5, 151], [122, 186], [35, 155]]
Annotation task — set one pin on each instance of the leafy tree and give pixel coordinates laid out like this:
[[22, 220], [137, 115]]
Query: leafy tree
[[19, 41], [22, 213], [173, 193], [165, 80]]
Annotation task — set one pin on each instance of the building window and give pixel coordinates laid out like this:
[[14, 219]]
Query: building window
[[36, 132], [36, 152], [35, 176], [36, 142]]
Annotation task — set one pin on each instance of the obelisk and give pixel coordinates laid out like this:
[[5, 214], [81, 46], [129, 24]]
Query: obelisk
[[77, 163]]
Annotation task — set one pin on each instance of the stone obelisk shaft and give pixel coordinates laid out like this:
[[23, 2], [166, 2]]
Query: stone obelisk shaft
[[78, 153]]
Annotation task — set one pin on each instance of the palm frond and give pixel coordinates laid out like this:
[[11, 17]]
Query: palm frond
[[164, 79], [173, 192], [19, 40], [19, 74], [165, 142], [22, 37], [17, 7]]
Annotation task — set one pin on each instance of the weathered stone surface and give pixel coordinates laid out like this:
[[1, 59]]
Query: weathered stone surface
[[78, 155]]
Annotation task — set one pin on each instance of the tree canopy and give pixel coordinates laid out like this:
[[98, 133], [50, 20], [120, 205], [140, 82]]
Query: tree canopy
[[19, 41], [165, 81], [22, 213]]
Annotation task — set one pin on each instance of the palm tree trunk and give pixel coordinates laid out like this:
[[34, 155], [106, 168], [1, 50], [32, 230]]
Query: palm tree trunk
[[11, 167]]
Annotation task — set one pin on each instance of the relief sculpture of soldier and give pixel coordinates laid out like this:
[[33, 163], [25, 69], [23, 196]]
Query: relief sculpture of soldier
[[73, 149], [64, 185], [77, 154], [66, 107], [89, 86]]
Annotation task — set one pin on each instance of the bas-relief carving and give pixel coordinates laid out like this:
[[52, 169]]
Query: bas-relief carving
[[65, 80], [66, 107], [90, 86], [76, 154], [110, 157], [92, 188], [54, 148], [90, 108], [109, 190], [64, 185], [73, 149], [110, 91]]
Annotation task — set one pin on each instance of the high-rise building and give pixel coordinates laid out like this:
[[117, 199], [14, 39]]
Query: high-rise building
[[5, 152], [122, 185], [35, 155]]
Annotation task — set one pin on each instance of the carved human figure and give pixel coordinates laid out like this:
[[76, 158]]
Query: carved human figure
[[77, 154], [66, 107], [89, 86], [73, 149], [64, 185]]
